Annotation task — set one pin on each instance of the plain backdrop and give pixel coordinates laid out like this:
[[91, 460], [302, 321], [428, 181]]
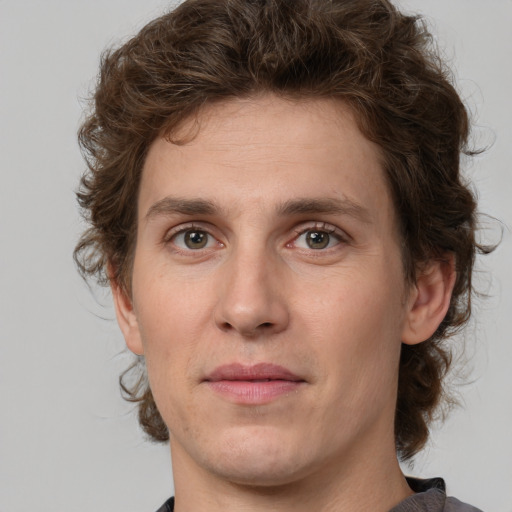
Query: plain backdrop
[[67, 440]]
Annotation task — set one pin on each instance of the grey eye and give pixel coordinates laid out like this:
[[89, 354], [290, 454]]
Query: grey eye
[[317, 239], [195, 239]]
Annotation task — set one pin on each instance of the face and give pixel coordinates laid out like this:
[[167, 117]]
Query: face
[[268, 293]]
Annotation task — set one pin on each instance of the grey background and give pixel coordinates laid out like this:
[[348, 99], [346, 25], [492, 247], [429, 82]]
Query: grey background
[[67, 441]]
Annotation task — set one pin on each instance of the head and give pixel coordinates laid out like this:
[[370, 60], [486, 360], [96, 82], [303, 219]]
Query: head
[[366, 60]]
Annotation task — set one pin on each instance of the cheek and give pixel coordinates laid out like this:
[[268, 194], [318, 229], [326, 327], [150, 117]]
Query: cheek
[[168, 303], [170, 348], [171, 315], [356, 303], [356, 327]]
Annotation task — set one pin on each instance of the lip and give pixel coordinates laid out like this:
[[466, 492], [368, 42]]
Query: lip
[[253, 384]]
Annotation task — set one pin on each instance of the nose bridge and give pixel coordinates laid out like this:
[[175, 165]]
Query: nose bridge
[[251, 297]]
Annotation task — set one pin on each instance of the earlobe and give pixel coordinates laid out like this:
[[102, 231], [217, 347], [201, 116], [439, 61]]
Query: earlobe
[[429, 300], [126, 318]]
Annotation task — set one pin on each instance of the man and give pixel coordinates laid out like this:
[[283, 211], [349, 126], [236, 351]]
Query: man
[[275, 200]]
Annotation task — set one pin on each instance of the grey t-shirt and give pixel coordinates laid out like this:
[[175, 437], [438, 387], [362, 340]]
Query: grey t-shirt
[[430, 497]]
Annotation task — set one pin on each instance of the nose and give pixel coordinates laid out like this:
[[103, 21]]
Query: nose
[[251, 300]]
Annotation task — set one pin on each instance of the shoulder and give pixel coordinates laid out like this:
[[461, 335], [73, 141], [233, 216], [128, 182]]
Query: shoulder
[[431, 497], [168, 506], [454, 505]]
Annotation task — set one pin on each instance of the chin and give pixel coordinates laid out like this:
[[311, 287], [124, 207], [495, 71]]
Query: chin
[[256, 458], [263, 474]]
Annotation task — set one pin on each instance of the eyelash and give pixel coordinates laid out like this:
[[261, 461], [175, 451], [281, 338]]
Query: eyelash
[[321, 227], [181, 230]]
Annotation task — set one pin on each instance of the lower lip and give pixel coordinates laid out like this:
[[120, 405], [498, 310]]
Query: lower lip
[[254, 393]]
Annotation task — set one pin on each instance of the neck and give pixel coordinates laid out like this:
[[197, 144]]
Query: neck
[[373, 483]]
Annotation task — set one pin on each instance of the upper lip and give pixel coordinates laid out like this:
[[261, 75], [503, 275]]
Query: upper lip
[[260, 371]]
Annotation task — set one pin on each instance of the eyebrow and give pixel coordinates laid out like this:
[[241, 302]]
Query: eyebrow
[[174, 205], [299, 206], [311, 206]]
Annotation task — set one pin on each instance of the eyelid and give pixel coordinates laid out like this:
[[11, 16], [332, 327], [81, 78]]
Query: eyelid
[[331, 229], [186, 226], [190, 226], [206, 227]]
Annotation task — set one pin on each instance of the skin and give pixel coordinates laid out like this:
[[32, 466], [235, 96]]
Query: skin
[[258, 182]]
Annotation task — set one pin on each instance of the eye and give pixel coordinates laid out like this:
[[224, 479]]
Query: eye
[[193, 239], [318, 239]]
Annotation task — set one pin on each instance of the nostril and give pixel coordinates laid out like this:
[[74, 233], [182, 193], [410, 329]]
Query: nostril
[[266, 324]]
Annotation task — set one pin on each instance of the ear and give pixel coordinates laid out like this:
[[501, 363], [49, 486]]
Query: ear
[[126, 317], [429, 299]]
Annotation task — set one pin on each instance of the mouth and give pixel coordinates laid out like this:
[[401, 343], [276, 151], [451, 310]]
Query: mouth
[[253, 384]]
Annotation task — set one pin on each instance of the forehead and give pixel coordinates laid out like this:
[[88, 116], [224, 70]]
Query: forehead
[[261, 151], [319, 126]]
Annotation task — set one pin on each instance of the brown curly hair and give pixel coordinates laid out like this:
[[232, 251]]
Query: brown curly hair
[[364, 52]]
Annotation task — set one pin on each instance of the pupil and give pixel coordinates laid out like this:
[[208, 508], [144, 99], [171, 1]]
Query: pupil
[[317, 239], [195, 239]]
